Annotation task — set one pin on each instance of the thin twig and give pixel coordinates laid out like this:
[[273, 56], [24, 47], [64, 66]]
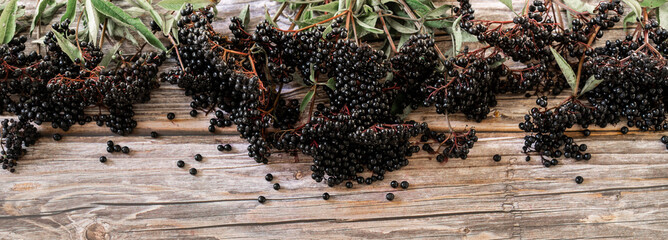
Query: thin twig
[[280, 11], [299, 14], [591, 40], [76, 34], [387, 33], [104, 29], [171, 39]]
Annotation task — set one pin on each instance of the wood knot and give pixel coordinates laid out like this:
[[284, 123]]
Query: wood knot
[[466, 230], [298, 175], [96, 231]]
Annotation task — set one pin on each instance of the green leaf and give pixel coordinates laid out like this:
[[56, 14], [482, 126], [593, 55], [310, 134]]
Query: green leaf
[[400, 27], [418, 7], [331, 83], [663, 16], [635, 6], [590, 85], [580, 6], [565, 69], [112, 11], [509, 4], [330, 7], [268, 17], [439, 11], [457, 37], [169, 22], [315, 20], [307, 99], [652, 3], [51, 11], [176, 4], [368, 27], [244, 15], [67, 47], [93, 21], [38, 13], [69, 11], [134, 12], [7, 22], [402, 40], [144, 4], [110, 54], [631, 18]]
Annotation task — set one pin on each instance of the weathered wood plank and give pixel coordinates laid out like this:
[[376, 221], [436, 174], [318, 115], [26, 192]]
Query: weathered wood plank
[[61, 190]]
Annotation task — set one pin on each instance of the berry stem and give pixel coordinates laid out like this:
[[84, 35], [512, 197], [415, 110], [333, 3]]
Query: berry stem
[[280, 11], [579, 75], [387, 32], [171, 39], [299, 14]]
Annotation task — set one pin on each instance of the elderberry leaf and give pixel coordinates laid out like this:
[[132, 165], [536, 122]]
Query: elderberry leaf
[[314, 20], [307, 99], [169, 23], [509, 4], [93, 21], [68, 48], [635, 6], [367, 27], [652, 3], [590, 85], [565, 69], [144, 4], [456, 33], [400, 27], [268, 17], [630, 18], [112, 11], [580, 6], [51, 11], [404, 38], [244, 15], [176, 4], [330, 7], [69, 10], [331, 83], [7, 22], [38, 13], [663, 16], [110, 54], [418, 7]]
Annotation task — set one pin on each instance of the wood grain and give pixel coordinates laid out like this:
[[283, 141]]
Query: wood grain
[[61, 190]]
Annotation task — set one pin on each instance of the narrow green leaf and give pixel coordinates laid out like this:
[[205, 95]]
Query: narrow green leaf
[[268, 17], [244, 15], [635, 6], [509, 4], [110, 54], [565, 69], [652, 3], [580, 6], [93, 21], [400, 27], [418, 7], [590, 85], [330, 7], [402, 40], [176, 4], [135, 12], [112, 11], [631, 18], [67, 47], [144, 4], [307, 99], [456, 36], [331, 83], [368, 27], [38, 13], [51, 11], [315, 20], [69, 11], [7, 22], [312, 73], [663, 16]]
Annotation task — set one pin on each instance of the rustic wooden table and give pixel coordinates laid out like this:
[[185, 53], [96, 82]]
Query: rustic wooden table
[[62, 191]]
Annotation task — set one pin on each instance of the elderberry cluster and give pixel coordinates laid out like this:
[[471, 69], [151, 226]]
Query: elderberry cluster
[[15, 136]]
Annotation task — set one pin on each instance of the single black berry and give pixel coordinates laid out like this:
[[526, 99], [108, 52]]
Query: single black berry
[[227, 147], [117, 148], [497, 157], [269, 177], [57, 137], [349, 185], [579, 179], [261, 199], [198, 157], [171, 116], [404, 184], [110, 143], [125, 149], [394, 184], [192, 171], [193, 113], [277, 186], [220, 148], [389, 196], [154, 134], [180, 163], [625, 130], [103, 159], [325, 196]]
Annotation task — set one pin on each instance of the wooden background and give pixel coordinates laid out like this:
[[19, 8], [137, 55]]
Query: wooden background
[[62, 191]]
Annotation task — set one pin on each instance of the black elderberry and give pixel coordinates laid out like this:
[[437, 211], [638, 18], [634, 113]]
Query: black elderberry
[[125, 149], [180, 163], [110, 143], [404, 184], [171, 116], [554, 162], [528, 158], [227, 147], [664, 139], [394, 184], [325, 196], [193, 113], [389, 196], [269, 177], [349, 185], [154, 134], [261, 199], [57, 137], [110, 149], [192, 171], [579, 179], [625, 130], [586, 132], [117, 148], [103, 159], [496, 157], [198, 157], [220, 147], [277, 186]]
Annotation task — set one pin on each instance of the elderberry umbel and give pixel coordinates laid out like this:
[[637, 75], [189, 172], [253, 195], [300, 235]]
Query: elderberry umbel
[[15, 136]]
